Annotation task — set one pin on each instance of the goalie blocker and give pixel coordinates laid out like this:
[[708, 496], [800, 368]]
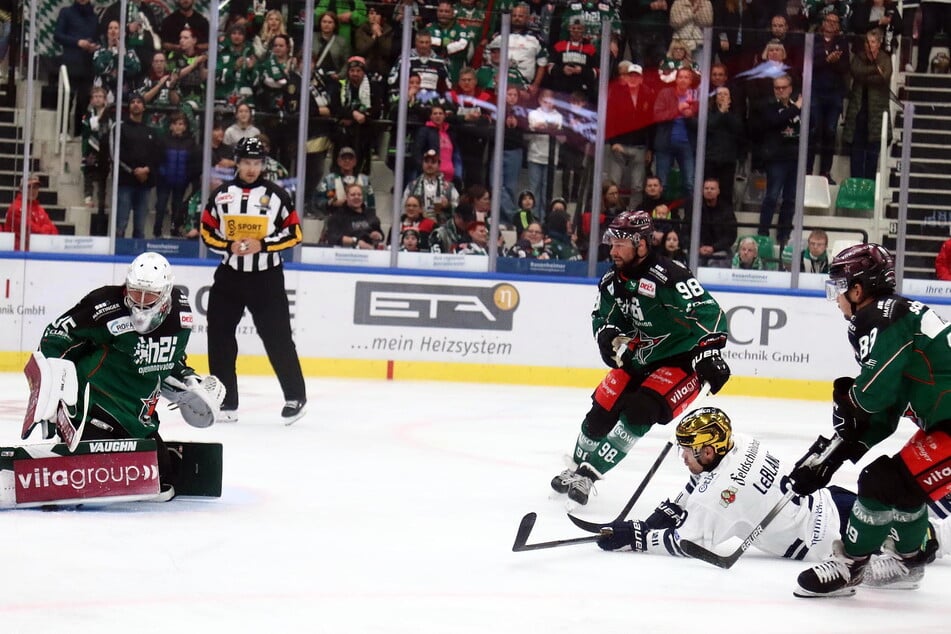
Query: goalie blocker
[[105, 472]]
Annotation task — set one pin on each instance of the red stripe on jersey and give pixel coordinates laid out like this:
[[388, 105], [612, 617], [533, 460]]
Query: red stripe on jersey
[[292, 219], [208, 219]]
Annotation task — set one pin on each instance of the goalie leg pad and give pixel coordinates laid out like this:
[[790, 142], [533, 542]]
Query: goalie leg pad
[[52, 382], [195, 468], [99, 471]]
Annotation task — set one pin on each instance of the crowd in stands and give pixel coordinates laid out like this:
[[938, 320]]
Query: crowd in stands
[[550, 121]]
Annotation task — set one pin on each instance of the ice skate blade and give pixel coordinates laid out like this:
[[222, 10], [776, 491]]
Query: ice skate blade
[[806, 594]]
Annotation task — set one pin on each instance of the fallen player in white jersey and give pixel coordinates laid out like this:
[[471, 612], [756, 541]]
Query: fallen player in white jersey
[[735, 481]]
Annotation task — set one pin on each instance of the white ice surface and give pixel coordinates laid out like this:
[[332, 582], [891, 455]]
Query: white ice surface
[[391, 508]]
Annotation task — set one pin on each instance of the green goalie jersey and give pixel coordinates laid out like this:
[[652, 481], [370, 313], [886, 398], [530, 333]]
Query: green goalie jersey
[[124, 369], [662, 307], [903, 348]]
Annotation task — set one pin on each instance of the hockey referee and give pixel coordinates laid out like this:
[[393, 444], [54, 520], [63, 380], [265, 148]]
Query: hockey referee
[[250, 221]]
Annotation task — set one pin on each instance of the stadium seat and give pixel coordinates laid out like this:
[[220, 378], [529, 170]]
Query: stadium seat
[[818, 198], [856, 198]]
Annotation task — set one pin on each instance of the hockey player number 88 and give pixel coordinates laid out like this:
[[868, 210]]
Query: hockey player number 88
[[689, 289]]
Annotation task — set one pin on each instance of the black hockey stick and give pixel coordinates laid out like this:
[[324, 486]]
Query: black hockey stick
[[593, 527], [526, 526], [697, 551]]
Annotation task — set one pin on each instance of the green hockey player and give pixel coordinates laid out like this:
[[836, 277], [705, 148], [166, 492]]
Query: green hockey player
[[661, 333], [904, 351]]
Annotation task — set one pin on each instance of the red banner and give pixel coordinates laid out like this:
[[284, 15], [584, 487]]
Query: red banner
[[86, 476]]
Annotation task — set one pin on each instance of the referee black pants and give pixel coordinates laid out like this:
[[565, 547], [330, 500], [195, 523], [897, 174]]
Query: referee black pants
[[264, 295]]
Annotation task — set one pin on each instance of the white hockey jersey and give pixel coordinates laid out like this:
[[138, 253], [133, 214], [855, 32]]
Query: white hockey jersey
[[730, 500]]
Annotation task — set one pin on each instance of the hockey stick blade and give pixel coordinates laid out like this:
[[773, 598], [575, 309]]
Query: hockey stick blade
[[525, 528], [726, 562], [592, 527]]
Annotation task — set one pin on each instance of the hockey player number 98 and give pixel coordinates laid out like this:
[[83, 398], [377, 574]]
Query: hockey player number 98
[[690, 288]]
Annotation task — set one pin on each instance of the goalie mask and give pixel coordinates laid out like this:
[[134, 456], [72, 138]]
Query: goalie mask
[[707, 426], [148, 291]]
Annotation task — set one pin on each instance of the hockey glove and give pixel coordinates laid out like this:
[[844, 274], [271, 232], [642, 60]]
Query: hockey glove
[[850, 420], [711, 368], [606, 347], [666, 515], [198, 399], [811, 474], [625, 533]]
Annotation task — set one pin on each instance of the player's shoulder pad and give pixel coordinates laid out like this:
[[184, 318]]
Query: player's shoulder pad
[[181, 308], [606, 279], [668, 272], [103, 304], [881, 313]]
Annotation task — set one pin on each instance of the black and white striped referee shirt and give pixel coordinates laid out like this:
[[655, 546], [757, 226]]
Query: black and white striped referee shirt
[[261, 211]]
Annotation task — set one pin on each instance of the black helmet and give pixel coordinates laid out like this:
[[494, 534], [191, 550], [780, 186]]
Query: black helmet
[[870, 265], [249, 147], [631, 225]]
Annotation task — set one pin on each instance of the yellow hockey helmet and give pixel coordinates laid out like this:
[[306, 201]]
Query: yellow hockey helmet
[[706, 426]]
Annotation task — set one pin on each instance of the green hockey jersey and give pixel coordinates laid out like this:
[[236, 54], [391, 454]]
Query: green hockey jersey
[[124, 369], [904, 350], [662, 307]]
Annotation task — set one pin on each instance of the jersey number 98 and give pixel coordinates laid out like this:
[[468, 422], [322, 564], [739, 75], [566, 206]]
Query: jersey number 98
[[690, 288]]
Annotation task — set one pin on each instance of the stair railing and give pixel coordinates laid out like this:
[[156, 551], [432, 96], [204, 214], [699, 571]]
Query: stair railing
[[63, 98], [881, 174]]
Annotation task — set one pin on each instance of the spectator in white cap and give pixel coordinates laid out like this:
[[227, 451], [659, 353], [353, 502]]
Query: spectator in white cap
[[628, 130]]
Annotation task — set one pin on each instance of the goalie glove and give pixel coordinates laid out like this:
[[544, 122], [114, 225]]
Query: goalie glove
[[198, 399], [625, 533]]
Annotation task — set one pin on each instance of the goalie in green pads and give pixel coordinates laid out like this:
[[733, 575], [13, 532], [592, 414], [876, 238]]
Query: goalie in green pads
[[103, 365]]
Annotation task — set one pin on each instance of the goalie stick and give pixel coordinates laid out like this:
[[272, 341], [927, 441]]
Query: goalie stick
[[593, 527], [726, 562], [528, 523]]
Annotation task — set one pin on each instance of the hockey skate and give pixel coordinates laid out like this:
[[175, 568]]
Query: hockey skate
[[293, 411], [227, 416], [578, 484], [892, 571], [837, 576], [562, 482]]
